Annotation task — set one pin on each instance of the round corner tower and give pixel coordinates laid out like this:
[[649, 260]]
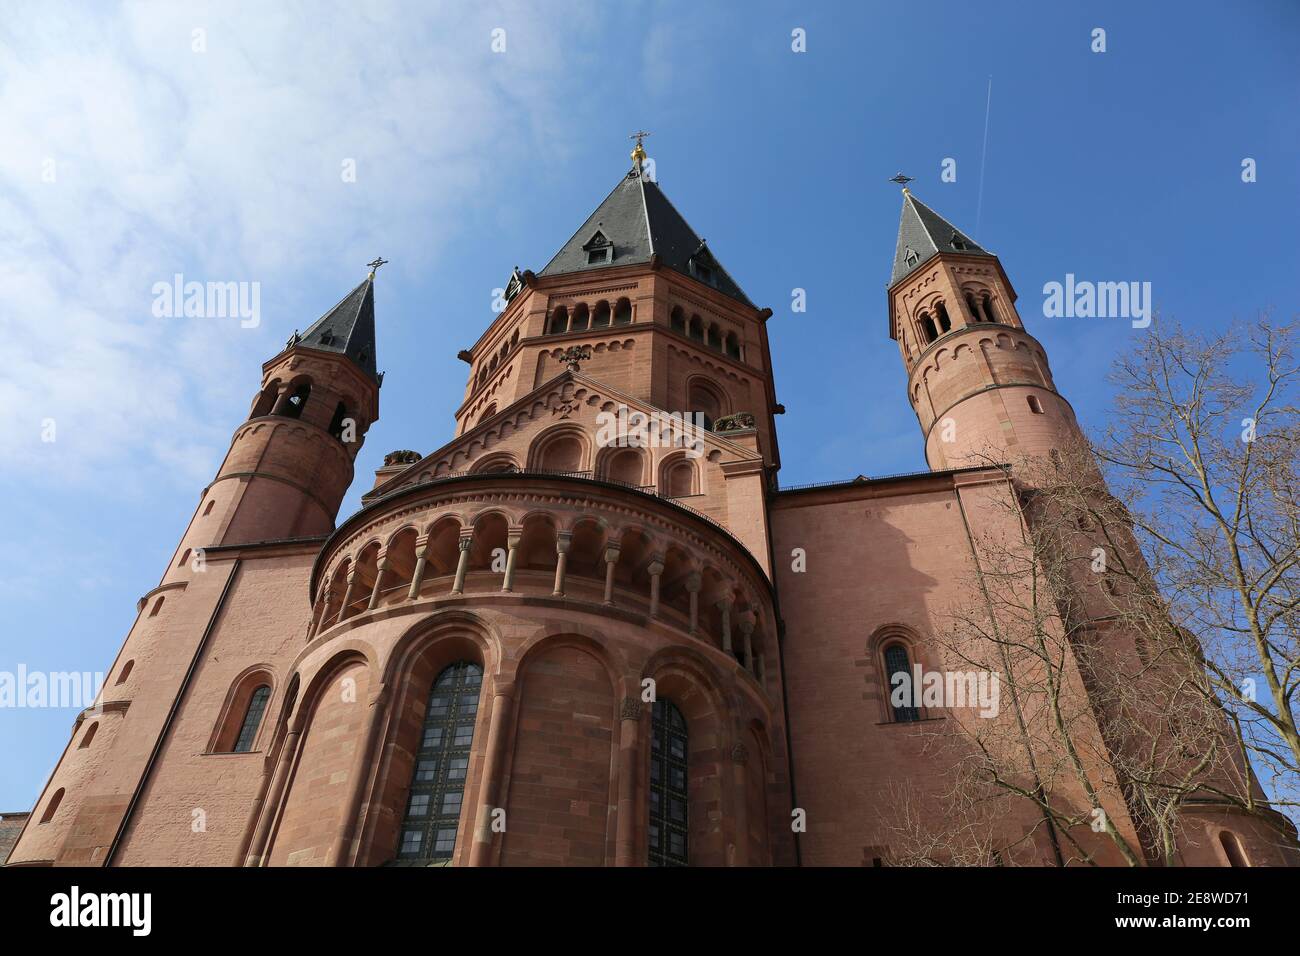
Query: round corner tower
[[979, 383]]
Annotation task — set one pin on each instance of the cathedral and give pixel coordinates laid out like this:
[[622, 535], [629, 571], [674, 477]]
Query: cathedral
[[592, 629]]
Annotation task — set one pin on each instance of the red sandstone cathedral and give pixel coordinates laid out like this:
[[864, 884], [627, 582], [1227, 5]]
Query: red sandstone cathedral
[[538, 645]]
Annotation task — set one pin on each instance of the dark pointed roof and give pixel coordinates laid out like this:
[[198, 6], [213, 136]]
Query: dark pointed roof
[[348, 328], [639, 222], [923, 233]]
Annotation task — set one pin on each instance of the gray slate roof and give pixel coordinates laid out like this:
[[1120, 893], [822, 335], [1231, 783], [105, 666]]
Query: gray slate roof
[[348, 328], [926, 233], [640, 222]]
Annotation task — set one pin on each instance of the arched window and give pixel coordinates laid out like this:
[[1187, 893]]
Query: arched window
[[974, 309], [705, 400], [266, 400], [715, 337], [679, 479], [252, 720], [488, 413], [292, 408], [928, 331], [896, 662], [733, 346], [563, 453], [677, 319], [89, 735], [126, 671], [559, 320], [1035, 405], [441, 764], [697, 328], [945, 323], [208, 510], [157, 606], [668, 777], [624, 466], [1232, 847], [52, 807], [336, 423], [579, 320], [623, 312], [184, 558], [600, 318], [989, 314]]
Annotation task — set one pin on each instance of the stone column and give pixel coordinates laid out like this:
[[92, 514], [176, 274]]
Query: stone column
[[480, 852], [462, 564], [739, 758], [321, 604], [561, 560], [271, 805], [747, 648], [512, 542], [693, 582], [629, 726], [379, 581], [724, 607], [347, 592], [611, 559], [656, 569], [422, 546], [358, 777], [281, 399]]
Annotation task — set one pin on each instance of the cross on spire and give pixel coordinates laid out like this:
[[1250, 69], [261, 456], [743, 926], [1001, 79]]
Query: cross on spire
[[638, 152], [374, 266]]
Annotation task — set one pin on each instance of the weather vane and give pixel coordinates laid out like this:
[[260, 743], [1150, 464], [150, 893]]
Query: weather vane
[[638, 154], [901, 180], [374, 266]]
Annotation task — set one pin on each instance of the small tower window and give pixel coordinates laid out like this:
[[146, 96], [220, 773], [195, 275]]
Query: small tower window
[[957, 243], [559, 320], [1035, 405], [1232, 849], [623, 312], [52, 807], [336, 424], [126, 671], [677, 319], [89, 736], [910, 256], [597, 256], [600, 318], [974, 309], [945, 324], [928, 331], [989, 314], [296, 402]]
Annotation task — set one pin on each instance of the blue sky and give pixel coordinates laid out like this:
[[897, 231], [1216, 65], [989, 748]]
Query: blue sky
[[225, 165]]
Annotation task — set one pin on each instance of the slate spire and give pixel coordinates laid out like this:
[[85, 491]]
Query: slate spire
[[635, 223], [348, 328], [923, 233]]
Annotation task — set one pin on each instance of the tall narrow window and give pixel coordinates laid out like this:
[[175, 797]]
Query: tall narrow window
[[1035, 405], [52, 807], [989, 314], [441, 763], [668, 797], [336, 423], [252, 720], [928, 331], [941, 310], [896, 662]]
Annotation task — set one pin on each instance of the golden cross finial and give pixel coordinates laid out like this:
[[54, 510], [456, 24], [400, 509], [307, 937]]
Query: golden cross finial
[[638, 153], [374, 266]]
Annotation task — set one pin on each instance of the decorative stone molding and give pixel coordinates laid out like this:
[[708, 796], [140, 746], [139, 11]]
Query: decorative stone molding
[[734, 422], [740, 754], [630, 709]]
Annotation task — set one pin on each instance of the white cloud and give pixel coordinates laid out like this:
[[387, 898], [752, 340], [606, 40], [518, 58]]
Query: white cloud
[[225, 165]]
